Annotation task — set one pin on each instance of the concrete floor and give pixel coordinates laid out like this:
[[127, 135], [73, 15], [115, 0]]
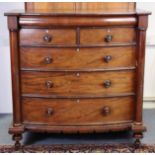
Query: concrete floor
[[44, 138]]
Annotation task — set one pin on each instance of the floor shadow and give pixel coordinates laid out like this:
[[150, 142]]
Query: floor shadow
[[95, 138]]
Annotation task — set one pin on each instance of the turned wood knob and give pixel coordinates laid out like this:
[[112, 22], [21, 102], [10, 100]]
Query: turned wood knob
[[49, 84], [108, 38], [48, 60], [107, 58], [47, 38], [106, 110], [107, 83], [49, 111]]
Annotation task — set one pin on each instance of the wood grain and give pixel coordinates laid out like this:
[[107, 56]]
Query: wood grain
[[14, 51], [79, 6], [78, 128], [78, 112], [73, 20], [141, 37], [98, 35], [77, 91], [70, 58], [106, 6], [59, 36], [77, 83]]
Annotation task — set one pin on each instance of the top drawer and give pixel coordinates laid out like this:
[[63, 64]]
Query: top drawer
[[106, 36], [47, 37]]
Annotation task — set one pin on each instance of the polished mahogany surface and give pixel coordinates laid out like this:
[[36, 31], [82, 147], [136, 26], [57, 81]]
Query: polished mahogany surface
[[87, 12], [80, 6], [77, 68]]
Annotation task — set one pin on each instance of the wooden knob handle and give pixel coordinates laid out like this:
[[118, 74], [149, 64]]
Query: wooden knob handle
[[106, 110], [107, 58], [49, 84], [49, 111], [108, 38], [48, 60], [47, 38], [107, 83]]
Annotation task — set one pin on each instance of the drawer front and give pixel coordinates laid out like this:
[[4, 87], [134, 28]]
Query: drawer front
[[47, 37], [107, 36], [69, 58], [78, 111], [77, 83]]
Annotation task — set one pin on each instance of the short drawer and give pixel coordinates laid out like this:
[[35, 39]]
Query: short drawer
[[78, 111], [70, 58], [106, 36], [47, 37], [77, 83]]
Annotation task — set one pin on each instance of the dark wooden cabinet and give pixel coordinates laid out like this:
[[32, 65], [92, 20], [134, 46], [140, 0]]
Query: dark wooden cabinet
[[77, 70]]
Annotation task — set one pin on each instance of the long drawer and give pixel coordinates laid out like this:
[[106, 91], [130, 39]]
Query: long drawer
[[78, 111], [47, 37], [77, 83], [107, 36], [70, 58]]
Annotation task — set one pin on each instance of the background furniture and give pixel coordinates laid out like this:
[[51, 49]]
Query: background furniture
[[77, 68], [72, 6]]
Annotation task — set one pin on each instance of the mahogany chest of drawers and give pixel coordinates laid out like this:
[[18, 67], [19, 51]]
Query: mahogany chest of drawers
[[77, 72]]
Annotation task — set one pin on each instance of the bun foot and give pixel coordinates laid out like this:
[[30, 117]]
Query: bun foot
[[138, 129], [16, 132]]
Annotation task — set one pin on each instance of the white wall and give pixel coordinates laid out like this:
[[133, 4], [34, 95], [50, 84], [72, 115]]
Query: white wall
[[5, 76]]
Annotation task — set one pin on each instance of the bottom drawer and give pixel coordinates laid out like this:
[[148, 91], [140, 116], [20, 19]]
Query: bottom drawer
[[78, 111]]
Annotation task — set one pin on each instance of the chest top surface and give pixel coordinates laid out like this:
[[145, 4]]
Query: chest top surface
[[78, 12]]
